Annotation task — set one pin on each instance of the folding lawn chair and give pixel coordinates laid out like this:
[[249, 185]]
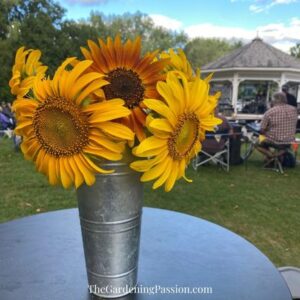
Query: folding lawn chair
[[215, 149]]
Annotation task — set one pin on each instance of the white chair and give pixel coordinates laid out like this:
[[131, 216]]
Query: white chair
[[292, 277]]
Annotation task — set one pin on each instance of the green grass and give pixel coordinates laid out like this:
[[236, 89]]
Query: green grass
[[260, 205]]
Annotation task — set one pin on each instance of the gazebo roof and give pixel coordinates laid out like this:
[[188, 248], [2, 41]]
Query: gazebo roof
[[256, 54]]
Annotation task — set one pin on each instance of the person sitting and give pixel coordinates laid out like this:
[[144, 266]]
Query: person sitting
[[215, 141], [278, 126], [5, 122], [213, 145], [291, 99]]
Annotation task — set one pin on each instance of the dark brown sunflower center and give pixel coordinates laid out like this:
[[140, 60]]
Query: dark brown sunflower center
[[60, 127], [184, 137], [124, 84]]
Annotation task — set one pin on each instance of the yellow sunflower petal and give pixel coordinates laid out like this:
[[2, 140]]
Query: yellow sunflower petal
[[210, 123], [77, 173], [114, 113], [117, 130], [149, 144], [118, 50], [38, 90], [88, 175], [152, 152], [137, 127], [155, 171], [161, 180], [90, 89], [98, 57], [172, 177], [95, 167], [181, 168], [57, 76], [53, 180], [111, 50], [27, 66], [146, 164], [32, 60], [74, 74], [103, 153], [178, 82], [162, 125], [82, 82], [199, 93], [86, 53], [167, 93], [69, 169], [104, 141], [23, 106], [65, 176], [21, 126], [40, 161], [104, 106], [161, 109], [30, 148]]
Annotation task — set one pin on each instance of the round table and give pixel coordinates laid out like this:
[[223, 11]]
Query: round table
[[41, 258]]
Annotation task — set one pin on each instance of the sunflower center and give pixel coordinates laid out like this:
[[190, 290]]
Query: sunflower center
[[60, 127], [184, 137], [124, 84]]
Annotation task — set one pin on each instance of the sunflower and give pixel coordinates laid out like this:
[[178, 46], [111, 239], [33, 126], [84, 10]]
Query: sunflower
[[131, 76], [179, 62], [27, 66], [185, 115], [62, 133]]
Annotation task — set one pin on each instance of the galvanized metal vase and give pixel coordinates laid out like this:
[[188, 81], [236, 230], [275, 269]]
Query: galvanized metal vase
[[110, 216]]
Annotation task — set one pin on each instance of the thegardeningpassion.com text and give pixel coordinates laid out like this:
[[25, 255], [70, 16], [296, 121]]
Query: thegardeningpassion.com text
[[149, 290]]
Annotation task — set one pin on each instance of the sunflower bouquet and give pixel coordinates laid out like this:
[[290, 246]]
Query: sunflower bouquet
[[115, 98]]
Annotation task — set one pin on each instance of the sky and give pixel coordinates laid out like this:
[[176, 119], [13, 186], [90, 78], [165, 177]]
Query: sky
[[275, 21]]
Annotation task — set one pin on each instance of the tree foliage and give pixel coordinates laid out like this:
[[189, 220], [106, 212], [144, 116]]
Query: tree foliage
[[40, 24], [138, 24], [201, 51], [5, 9], [295, 51]]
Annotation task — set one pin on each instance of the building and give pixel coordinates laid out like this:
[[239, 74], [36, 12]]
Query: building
[[248, 76]]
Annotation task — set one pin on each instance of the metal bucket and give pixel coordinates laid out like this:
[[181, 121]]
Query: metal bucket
[[110, 216]]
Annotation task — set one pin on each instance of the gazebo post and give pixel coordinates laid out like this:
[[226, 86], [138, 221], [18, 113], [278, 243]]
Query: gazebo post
[[268, 94], [282, 81], [235, 91]]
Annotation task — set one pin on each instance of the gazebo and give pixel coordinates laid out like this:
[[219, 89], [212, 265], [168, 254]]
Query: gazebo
[[248, 76]]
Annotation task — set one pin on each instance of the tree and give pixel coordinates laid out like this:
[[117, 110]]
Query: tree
[[24, 9], [201, 51], [4, 8], [295, 51], [163, 39], [73, 35], [39, 24], [40, 28], [34, 24], [138, 24], [6, 61]]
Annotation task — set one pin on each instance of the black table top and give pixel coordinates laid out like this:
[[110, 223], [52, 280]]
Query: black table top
[[41, 258]]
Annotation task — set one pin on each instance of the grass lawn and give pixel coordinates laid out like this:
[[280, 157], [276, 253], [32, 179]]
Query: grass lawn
[[260, 205]]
